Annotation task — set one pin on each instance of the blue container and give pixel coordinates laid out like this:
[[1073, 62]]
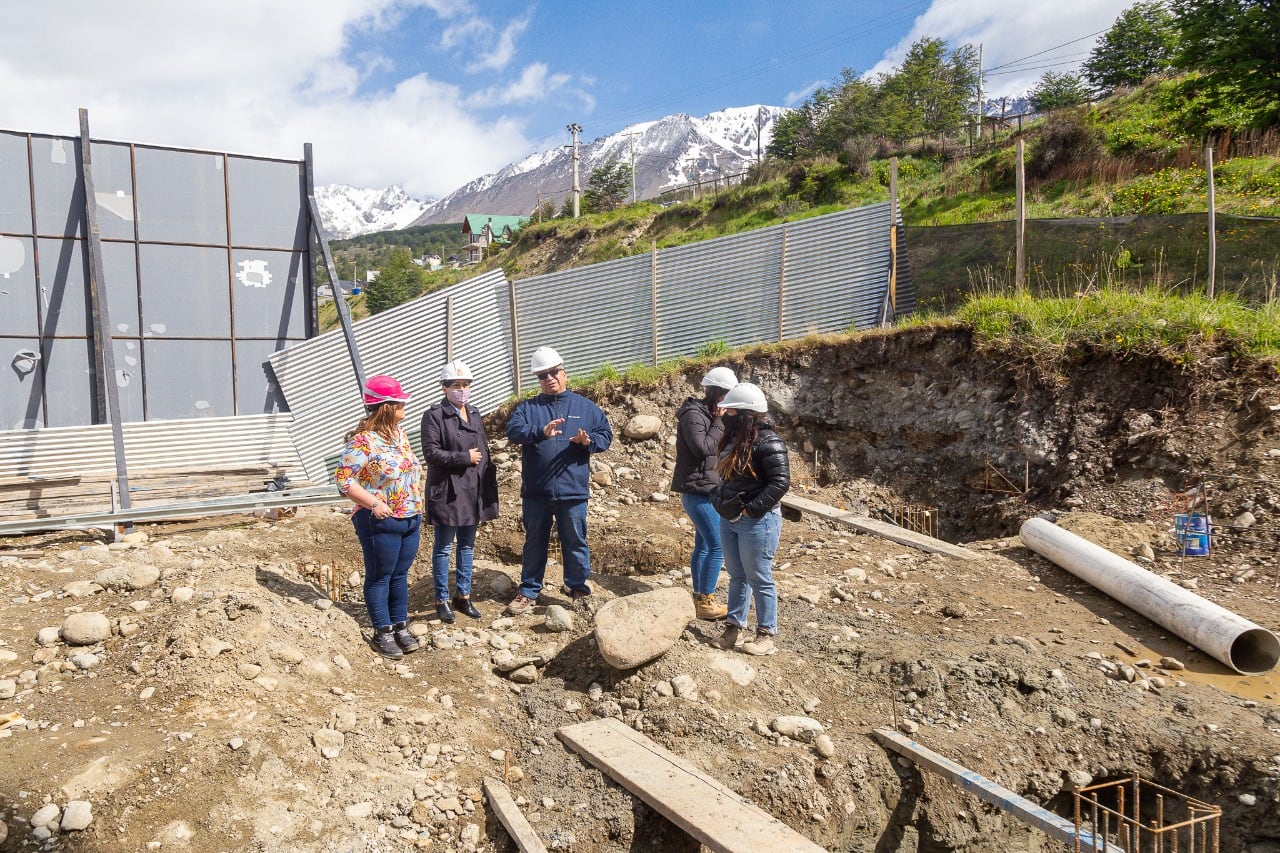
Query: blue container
[[1193, 531]]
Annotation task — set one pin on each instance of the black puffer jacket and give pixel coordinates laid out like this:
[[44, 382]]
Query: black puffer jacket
[[755, 496], [697, 440]]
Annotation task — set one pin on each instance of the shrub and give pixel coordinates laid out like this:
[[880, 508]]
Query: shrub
[[1066, 138]]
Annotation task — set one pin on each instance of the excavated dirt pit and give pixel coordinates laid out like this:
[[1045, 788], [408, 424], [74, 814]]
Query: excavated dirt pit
[[232, 708]]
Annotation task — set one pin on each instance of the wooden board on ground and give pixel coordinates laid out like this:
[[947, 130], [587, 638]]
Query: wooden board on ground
[[892, 532], [504, 806], [689, 798]]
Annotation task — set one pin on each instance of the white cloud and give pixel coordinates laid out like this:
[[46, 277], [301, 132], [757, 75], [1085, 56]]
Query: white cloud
[[534, 84], [259, 78], [1012, 31], [503, 49], [794, 98]]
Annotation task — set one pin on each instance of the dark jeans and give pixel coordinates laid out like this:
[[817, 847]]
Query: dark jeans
[[389, 546], [708, 557], [571, 524]]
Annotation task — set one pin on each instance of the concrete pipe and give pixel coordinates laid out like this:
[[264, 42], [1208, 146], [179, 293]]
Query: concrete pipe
[[1234, 640]]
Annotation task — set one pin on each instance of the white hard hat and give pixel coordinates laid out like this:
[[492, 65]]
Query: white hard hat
[[719, 377], [544, 358], [744, 395], [455, 370]]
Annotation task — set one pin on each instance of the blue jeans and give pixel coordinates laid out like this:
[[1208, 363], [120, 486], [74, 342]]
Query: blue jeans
[[707, 556], [441, 548], [749, 546], [571, 525], [389, 546]]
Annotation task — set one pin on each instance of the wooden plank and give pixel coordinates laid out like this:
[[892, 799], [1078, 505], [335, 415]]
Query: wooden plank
[[884, 529], [1056, 827], [504, 806], [689, 798]]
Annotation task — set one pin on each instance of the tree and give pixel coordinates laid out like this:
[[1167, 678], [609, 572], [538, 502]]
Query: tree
[[1139, 44], [544, 210], [932, 92], [1235, 44], [398, 281], [607, 187], [1056, 90]]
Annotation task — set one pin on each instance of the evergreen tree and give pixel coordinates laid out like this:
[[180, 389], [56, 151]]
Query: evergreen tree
[[398, 281], [932, 92], [1056, 90], [607, 187], [1139, 44]]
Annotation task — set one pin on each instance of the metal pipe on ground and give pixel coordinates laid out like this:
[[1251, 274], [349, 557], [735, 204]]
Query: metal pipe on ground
[[1235, 641]]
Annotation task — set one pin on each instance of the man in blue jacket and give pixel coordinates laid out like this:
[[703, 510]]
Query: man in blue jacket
[[557, 431]]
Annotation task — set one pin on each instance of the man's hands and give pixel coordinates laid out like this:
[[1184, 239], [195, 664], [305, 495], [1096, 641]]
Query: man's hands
[[581, 438], [552, 429]]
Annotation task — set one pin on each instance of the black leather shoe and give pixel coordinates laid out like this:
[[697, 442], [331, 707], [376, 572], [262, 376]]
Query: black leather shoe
[[384, 643], [465, 607], [403, 638], [443, 611]]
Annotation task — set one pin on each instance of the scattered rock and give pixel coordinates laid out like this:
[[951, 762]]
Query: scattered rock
[[558, 619], [635, 629], [85, 629], [128, 578], [804, 729], [78, 816], [823, 746], [329, 742], [642, 427]]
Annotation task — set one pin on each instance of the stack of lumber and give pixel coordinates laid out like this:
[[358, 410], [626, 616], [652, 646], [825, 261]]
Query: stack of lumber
[[28, 497]]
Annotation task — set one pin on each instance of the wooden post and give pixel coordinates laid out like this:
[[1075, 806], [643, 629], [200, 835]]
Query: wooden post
[[1020, 253], [893, 240], [1213, 231], [106, 394], [782, 282], [653, 299], [515, 337]]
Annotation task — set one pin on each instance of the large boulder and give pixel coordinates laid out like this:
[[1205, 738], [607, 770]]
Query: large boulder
[[641, 427], [85, 629], [636, 629], [128, 578]]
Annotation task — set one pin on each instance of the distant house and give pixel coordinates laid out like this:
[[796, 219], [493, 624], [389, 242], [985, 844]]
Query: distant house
[[429, 262], [481, 229]]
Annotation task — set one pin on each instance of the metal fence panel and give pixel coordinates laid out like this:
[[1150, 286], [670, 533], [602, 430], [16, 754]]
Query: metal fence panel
[[724, 289], [837, 271], [593, 316], [409, 343], [189, 444]]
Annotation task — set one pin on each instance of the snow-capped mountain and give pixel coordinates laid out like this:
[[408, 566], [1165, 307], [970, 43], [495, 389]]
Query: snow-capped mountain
[[669, 152], [350, 211]]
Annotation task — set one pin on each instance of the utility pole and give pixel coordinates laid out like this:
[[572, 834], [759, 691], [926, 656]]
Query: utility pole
[[979, 91], [759, 125], [575, 129], [631, 137]]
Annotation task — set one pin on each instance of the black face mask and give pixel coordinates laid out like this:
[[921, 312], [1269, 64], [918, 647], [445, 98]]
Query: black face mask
[[731, 422]]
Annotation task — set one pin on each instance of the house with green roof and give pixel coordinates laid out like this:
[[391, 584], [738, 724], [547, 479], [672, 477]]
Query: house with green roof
[[481, 229]]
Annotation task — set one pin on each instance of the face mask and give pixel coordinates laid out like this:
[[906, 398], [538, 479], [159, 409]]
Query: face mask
[[458, 396], [730, 422]]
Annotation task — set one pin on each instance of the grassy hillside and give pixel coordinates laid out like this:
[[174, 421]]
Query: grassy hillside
[[1126, 193]]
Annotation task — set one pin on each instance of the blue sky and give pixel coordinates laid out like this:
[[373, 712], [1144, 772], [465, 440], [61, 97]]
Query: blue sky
[[430, 94]]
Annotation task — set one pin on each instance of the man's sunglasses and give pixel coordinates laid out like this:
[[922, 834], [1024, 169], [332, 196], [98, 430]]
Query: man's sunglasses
[[547, 374]]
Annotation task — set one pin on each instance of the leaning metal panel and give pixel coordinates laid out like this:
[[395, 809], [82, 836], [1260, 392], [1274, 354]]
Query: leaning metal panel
[[592, 316], [204, 251], [408, 342]]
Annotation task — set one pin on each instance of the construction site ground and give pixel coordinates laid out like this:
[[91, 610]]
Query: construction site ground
[[232, 702]]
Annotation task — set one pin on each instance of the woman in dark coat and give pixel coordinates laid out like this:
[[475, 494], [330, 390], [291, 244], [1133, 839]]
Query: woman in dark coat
[[462, 486]]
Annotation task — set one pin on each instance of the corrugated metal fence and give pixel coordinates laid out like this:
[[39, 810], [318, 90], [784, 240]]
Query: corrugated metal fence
[[826, 274]]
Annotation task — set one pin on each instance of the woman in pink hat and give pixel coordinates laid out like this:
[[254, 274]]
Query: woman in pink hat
[[383, 477]]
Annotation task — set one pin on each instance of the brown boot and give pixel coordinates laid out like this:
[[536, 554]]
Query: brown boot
[[706, 607]]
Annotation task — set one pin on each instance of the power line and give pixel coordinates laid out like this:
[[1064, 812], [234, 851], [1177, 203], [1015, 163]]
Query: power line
[[1041, 52]]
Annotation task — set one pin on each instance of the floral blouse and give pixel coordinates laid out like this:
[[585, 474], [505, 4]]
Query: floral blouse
[[388, 469]]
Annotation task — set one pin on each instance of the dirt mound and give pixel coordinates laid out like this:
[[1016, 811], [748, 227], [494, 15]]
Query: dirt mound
[[235, 704]]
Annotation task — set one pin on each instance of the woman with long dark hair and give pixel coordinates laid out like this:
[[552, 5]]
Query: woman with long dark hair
[[698, 433], [382, 476], [754, 475]]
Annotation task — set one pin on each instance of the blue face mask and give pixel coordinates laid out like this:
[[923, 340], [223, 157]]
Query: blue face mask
[[458, 396]]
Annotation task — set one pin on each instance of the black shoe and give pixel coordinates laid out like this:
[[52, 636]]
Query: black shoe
[[384, 643], [403, 638], [443, 611], [465, 607]]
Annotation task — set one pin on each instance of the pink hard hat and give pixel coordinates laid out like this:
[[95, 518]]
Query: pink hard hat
[[383, 389]]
